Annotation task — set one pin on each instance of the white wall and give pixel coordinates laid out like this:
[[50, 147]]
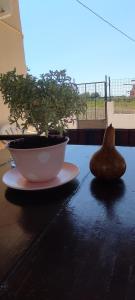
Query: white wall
[[119, 120], [81, 124], [11, 50]]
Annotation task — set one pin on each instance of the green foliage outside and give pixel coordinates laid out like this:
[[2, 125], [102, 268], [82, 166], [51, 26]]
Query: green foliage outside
[[99, 102], [124, 103], [120, 101], [89, 96], [94, 95], [47, 103]]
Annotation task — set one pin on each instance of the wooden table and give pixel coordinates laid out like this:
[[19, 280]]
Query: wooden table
[[72, 242]]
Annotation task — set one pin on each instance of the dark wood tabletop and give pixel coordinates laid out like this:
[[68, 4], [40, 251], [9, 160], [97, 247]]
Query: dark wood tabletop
[[76, 241]]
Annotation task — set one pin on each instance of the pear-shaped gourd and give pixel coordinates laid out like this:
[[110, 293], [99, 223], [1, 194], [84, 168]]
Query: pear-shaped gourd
[[107, 163]]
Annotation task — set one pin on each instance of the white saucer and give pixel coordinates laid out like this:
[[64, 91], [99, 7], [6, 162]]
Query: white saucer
[[14, 179]]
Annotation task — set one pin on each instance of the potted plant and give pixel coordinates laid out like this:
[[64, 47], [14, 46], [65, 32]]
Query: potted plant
[[47, 103]]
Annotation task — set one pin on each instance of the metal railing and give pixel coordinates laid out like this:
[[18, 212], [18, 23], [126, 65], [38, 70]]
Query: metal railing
[[96, 95], [121, 91]]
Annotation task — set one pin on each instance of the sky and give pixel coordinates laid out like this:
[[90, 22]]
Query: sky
[[61, 34]]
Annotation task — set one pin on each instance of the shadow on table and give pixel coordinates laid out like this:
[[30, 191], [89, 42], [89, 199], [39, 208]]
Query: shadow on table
[[108, 193], [40, 197], [40, 207]]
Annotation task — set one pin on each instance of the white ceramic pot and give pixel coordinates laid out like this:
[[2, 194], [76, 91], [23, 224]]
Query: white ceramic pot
[[39, 164]]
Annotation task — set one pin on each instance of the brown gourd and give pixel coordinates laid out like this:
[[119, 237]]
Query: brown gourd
[[107, 163]]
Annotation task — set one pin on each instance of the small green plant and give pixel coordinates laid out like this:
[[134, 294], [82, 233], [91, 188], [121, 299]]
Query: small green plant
[[46, 103]]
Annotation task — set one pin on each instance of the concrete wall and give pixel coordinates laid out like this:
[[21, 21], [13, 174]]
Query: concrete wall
[[11, 50], [119, 120], [81, 124]]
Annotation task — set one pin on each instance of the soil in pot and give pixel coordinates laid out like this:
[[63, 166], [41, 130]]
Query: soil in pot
[[36, 142]]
